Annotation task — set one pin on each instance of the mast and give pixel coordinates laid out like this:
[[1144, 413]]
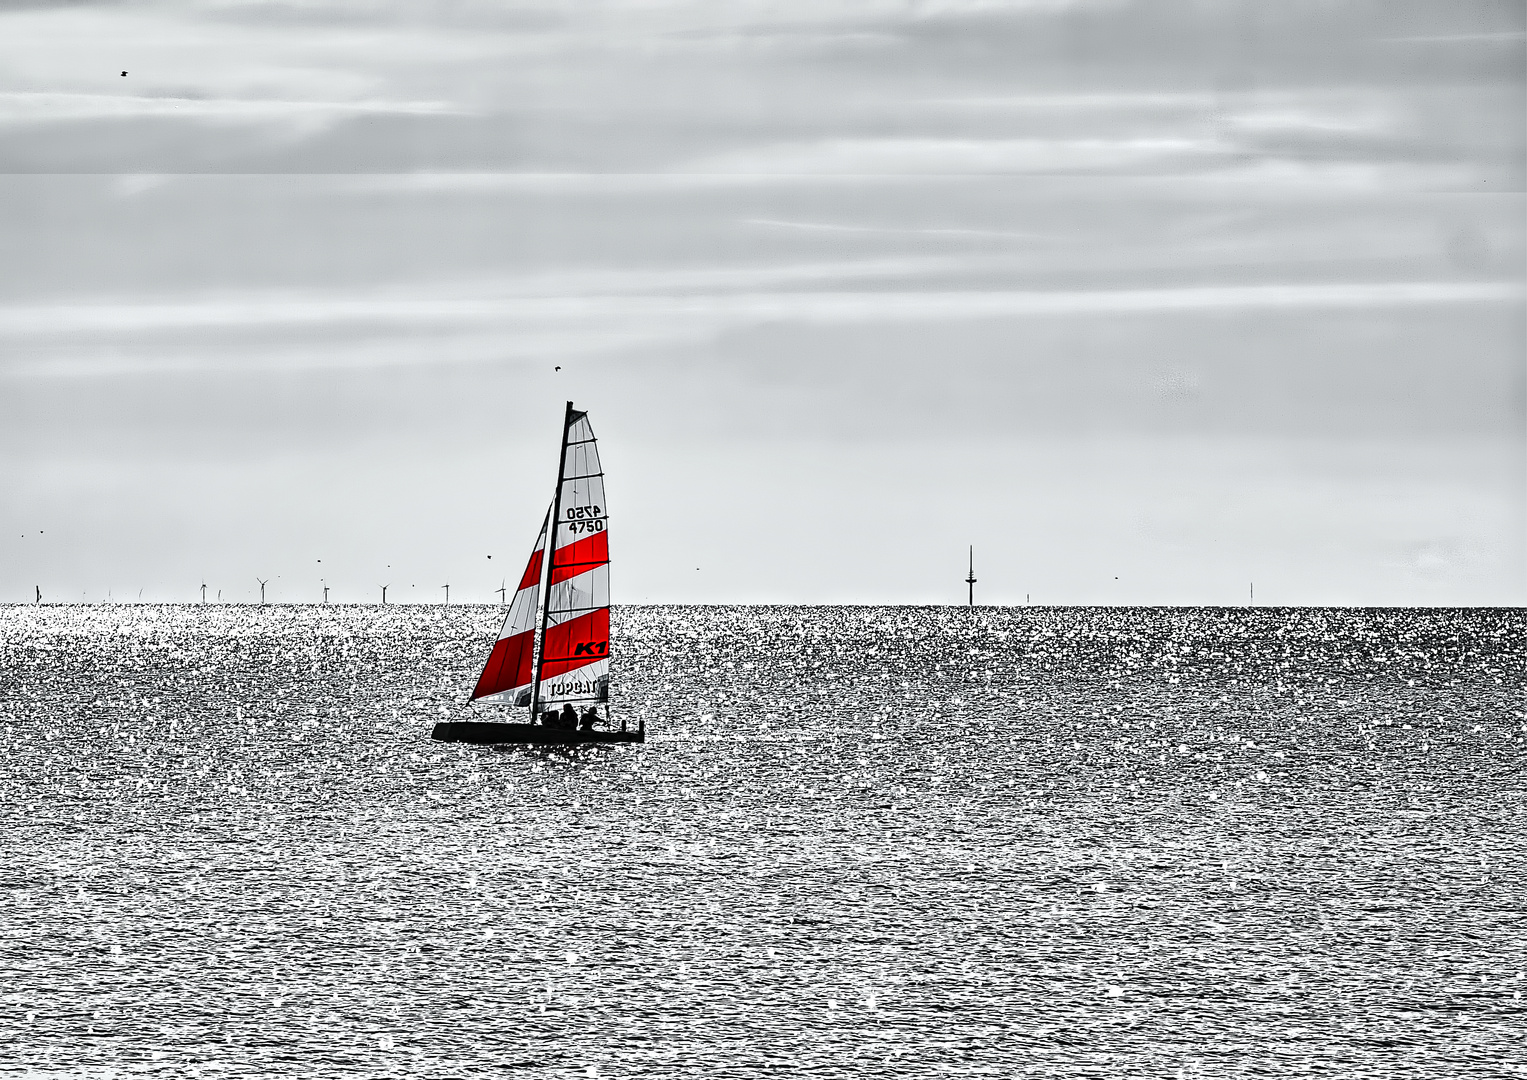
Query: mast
[[551, 549], [971, 578]]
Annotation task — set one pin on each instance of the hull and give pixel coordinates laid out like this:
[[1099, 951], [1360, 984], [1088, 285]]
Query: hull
[[485, 733]]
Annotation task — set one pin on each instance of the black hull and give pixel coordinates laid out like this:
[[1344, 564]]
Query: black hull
[[484, 733]]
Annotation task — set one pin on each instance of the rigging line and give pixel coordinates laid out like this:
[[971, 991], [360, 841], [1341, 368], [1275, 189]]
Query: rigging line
[[551, 560]]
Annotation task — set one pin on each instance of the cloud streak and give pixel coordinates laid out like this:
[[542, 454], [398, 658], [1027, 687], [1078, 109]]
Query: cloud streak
[[39, 108], [276, 311], [52, 107], [931, 155]]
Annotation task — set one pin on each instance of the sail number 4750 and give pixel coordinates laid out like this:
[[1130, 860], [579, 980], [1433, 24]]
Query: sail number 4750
[[584, 519]]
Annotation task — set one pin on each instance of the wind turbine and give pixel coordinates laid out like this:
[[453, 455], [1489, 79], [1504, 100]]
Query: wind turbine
[[501, 591], [204, 592], [447, 588], [325, 585], [971, 577], [384, 594], [262, 591]]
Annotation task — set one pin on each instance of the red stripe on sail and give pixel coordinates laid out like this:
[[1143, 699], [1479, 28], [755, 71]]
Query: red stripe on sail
[[577, 642], [532, 576], [508, 665], [580, 556]]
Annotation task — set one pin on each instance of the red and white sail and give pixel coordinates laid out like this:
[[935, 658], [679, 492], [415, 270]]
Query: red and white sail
[[575, 653], [509, 671]]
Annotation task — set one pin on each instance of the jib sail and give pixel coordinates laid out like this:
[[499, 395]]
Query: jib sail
[[507, 675]]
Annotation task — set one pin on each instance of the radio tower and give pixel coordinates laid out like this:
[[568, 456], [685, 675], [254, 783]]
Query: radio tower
[[971, 579]]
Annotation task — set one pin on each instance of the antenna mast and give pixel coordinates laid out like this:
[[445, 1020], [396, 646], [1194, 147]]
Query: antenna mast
[[970, 579]]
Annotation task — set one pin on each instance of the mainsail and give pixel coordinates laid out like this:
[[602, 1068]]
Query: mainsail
[[555, 643], [574, 661], [554, 648], [508, 673]]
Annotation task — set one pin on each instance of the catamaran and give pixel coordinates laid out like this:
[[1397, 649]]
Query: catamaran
[[553, 653]]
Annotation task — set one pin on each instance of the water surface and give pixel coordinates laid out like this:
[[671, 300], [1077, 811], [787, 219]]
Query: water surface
[[859, 841]]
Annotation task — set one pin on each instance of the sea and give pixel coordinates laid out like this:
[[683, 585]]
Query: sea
[[858, 841]]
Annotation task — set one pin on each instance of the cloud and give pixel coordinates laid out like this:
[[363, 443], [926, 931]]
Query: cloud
[[1063, 101], [548, 326], [36, 108], [430, 182], [1030, 87], [1283, 176], [523, 346], [1495, 37], [831, 227], [937, 155], [43, 320]]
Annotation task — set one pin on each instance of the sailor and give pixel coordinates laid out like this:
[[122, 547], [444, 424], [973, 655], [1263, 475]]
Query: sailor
[[569, 716], [590, 717]]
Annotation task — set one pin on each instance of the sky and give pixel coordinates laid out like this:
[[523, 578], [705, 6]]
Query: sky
[[1149, 303]]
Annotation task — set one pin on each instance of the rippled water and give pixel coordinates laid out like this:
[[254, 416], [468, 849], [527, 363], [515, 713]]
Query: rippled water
[[859, 841]]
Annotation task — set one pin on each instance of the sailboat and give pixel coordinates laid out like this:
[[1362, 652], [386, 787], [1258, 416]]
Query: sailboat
[[554, 649]]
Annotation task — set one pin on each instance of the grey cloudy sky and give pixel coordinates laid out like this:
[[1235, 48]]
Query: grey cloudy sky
[[1147, 301]]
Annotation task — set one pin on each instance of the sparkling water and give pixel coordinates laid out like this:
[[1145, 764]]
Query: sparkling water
[[858, 842]]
